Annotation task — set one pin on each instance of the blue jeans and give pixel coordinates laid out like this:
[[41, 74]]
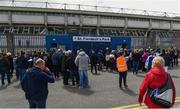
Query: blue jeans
[[37, 103], [135, 66], [122, 76], [21, 73], [84, 83], [17, 73]]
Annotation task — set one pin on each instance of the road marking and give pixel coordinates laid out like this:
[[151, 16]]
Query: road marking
[[177, 101], [137, 106], [128, 106], [177, 98]]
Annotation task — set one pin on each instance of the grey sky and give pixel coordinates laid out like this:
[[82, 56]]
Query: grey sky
[[155, 5]]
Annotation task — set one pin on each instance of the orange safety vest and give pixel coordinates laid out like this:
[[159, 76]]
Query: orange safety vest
[[121, 64]]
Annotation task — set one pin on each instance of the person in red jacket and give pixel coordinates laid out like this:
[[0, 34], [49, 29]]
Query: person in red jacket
[[155, 78]]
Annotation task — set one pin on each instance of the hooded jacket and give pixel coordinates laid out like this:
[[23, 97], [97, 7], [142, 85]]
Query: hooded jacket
[[155, 78], [82, 61], [35, 84]]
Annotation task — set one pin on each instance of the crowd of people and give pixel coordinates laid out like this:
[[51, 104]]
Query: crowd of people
[[63, 65], [68, 65]]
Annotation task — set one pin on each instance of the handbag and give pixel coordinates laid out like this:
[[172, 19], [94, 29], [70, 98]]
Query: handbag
[[164, 95]]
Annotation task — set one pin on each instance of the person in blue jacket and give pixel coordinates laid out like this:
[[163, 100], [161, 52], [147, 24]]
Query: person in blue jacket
[[35, 84]]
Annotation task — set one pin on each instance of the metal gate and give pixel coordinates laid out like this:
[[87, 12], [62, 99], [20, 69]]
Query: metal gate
[[138, 42], [24, 43]]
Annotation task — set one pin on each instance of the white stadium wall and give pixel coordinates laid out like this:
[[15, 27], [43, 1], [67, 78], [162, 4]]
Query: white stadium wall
[[55, 19], [176, 25], [87, 20], [112, 22], [90, 20], [157, 24], [138, 23], [73, 20], [3, 17], [28, 19]]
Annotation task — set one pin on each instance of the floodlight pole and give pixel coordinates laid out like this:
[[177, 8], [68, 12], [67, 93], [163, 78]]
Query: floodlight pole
[[13, 2]]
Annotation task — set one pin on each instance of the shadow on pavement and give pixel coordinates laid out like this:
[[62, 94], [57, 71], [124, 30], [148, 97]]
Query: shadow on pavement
[[3, 87], [18, 86], [129, 92], [98, 74], [174, 76], [85, 91], [58, 79]]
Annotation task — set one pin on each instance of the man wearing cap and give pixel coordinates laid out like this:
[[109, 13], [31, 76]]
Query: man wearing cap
[[35, 84]]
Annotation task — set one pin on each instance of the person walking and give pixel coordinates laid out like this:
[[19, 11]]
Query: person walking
[[35, 84], [122, 69], [155, 78], [4, 69]]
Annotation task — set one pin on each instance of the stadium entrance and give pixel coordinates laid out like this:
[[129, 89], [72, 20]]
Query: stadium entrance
[[91, 43], [87, 43]]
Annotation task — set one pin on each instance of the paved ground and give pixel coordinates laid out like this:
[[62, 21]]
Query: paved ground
[[103, 93]]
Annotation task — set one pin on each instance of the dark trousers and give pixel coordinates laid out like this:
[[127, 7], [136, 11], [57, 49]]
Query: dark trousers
[[65, 77], [37, 103], [143, 67], [56, 71], [93, 65], [100, 66], [3, 74], [122, 76], [11, 71], [176, 60], [135, 66], [17, 74], [107, 64], [75, 77]]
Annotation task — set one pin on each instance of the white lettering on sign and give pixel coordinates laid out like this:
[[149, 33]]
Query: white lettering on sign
[[91, 39]]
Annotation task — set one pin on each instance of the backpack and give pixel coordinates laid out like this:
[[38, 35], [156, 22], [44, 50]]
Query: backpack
[[164, 95]]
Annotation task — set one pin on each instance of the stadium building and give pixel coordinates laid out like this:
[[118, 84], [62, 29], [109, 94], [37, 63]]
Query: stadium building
[[27, 25]]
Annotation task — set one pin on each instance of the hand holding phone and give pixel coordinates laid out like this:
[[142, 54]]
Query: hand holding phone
[[46, 69]]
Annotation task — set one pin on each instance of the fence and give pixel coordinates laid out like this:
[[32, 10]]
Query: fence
[[24, 42], [138, 42]]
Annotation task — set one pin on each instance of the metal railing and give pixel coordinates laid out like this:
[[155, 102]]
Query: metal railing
[[54, 5]]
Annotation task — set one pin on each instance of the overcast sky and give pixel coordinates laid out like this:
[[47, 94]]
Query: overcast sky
[[154, 5]]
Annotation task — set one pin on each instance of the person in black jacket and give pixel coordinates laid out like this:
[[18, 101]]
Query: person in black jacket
[[10, 59], [22, 65], [94, 61], [35, 84], [64, 68], [73, 69], [4, 69], [136, 60]]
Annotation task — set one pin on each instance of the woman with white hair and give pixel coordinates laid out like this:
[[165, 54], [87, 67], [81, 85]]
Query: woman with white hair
[[155, 78]]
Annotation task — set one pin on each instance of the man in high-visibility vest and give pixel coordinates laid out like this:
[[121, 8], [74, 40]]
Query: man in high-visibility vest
[[122, 69]]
